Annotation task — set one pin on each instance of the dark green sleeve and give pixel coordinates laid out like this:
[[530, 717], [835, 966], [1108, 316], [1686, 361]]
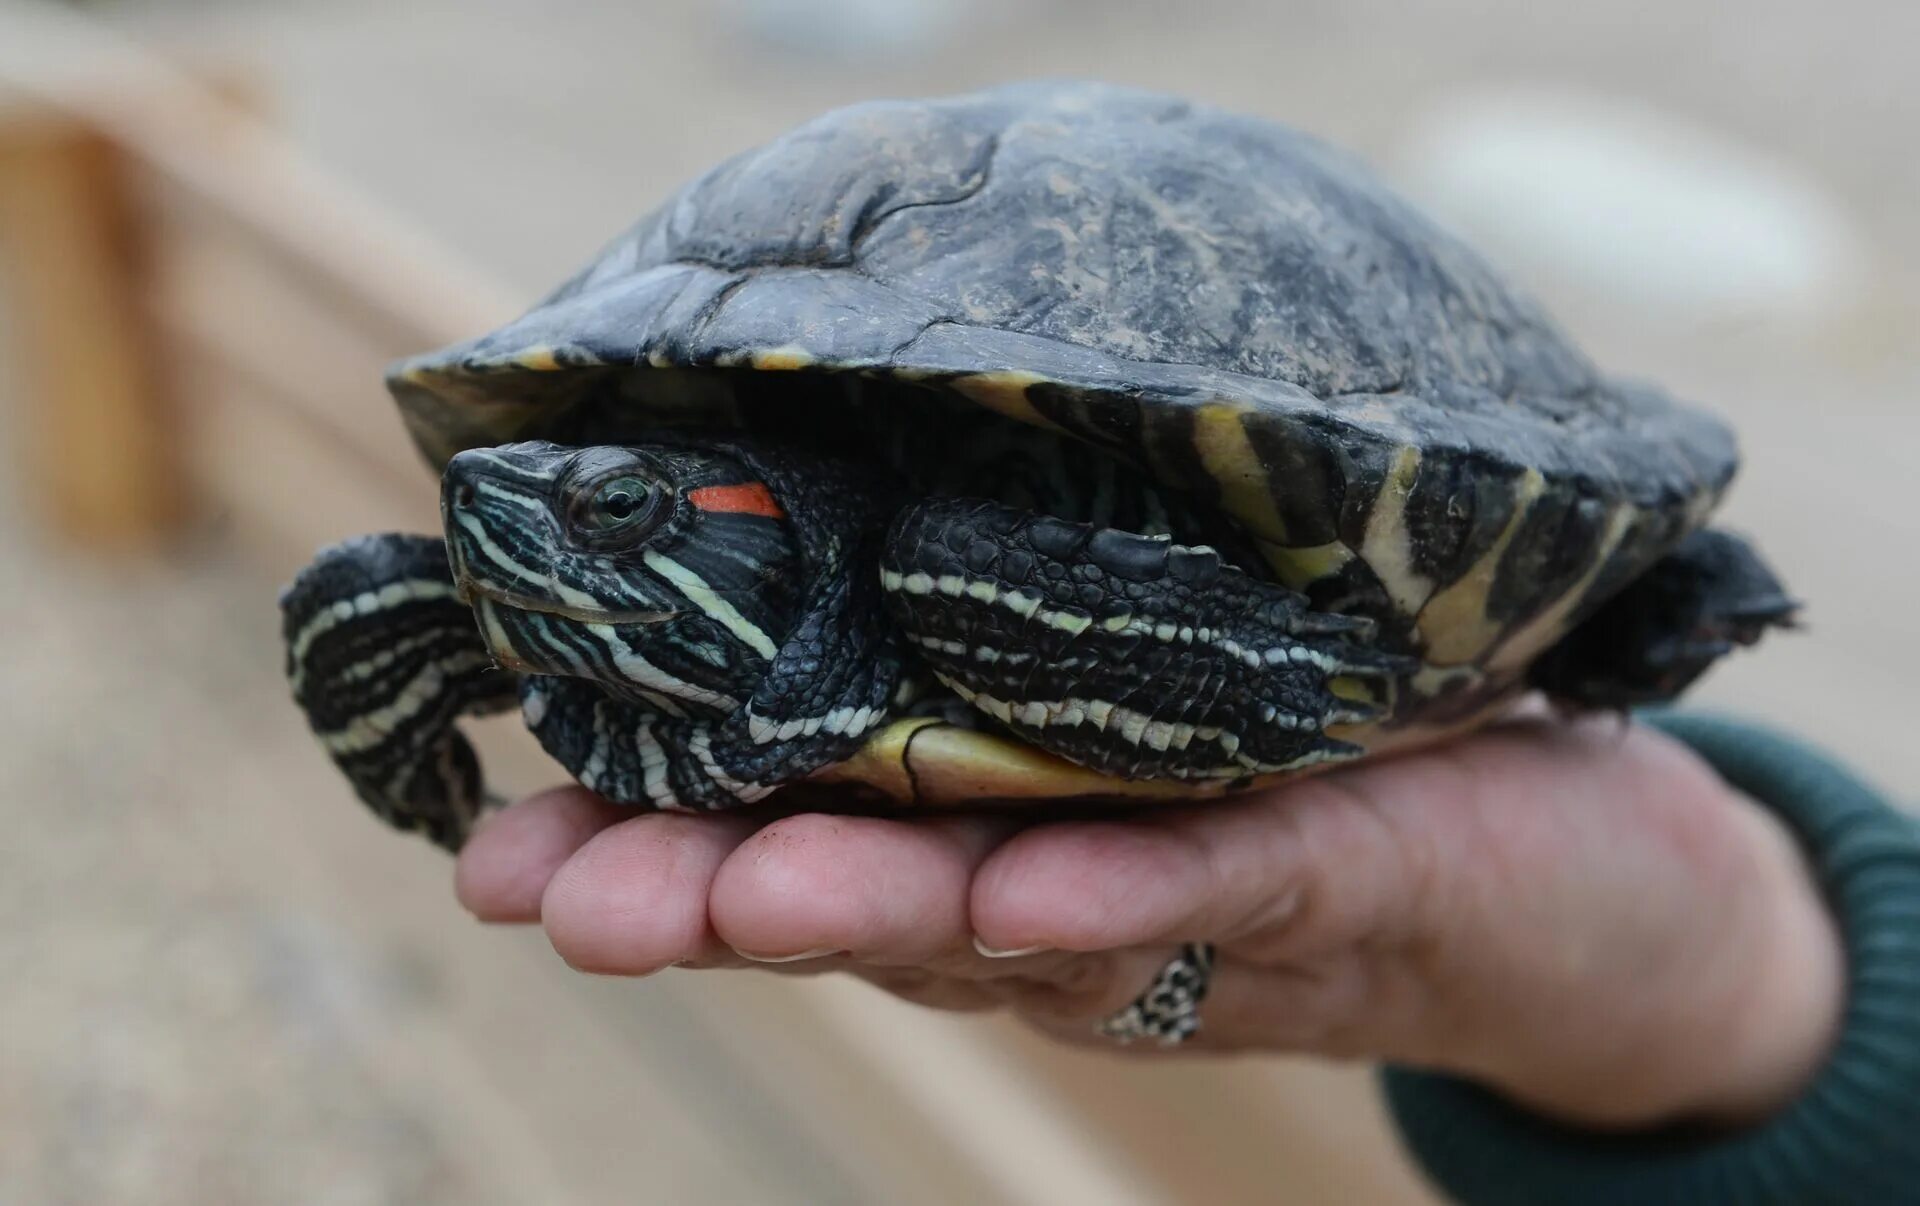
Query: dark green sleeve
[[1853, 1137]]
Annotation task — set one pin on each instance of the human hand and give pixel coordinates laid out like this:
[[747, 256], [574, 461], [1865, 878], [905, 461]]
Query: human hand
[[1580, 915]]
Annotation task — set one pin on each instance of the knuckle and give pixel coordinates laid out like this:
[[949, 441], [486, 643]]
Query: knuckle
[[1273, 925], [1391, 867]]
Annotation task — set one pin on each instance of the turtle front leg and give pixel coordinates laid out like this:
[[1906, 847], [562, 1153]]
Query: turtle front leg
[[1129, 654], [383, 658], [1647, 644]]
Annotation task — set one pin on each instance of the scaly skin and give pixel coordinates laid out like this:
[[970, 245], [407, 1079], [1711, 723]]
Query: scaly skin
[[1138, 657], [383, 658]]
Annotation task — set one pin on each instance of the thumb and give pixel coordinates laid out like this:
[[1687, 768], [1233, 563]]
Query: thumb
[[1306, 892], [1287, 874], [1417, 907]]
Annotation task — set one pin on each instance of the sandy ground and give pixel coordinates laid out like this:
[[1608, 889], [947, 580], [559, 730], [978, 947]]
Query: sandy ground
[[205, 1016]]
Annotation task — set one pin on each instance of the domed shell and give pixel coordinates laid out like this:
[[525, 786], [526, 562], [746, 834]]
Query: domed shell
[[1242, 310]]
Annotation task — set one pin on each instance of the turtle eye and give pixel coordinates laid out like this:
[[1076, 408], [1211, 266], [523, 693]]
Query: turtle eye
[[623, 505]]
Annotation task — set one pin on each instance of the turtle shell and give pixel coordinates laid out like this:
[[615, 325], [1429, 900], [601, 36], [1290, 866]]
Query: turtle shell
[[1244, 312]]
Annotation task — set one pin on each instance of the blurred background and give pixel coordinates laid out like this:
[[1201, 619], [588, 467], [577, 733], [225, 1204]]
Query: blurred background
[[226, 984]]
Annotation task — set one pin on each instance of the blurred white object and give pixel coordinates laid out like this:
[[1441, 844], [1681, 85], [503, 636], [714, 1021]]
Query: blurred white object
[[1637, 205], [849, 28]]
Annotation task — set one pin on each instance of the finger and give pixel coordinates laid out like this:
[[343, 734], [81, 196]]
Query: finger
[[1291, 871], [1345, 1005], [887, 891], [634, 898], [504, 867], [919, 985], [931, 989]]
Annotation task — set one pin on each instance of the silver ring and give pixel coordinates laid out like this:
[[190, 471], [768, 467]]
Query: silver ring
[[1169, 1010]]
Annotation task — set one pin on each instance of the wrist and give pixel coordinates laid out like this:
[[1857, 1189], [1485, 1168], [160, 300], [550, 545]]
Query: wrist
[[1719, 1010], [1780, 1029], [1750, 1030], [1848, 1136]]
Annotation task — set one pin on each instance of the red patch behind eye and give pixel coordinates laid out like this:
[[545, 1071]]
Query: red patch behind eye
[[746, 498]]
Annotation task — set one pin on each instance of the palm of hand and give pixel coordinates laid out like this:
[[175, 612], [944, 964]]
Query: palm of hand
[[1582, 915]]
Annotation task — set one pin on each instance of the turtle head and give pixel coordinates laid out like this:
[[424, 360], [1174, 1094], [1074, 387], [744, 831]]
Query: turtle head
[[667, 573]]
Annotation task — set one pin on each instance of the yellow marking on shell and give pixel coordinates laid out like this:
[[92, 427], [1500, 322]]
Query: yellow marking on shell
[[1455, 625], [1005, 393], [539, 359], [1388, 546], [1300, 567], [1533, 637], [1220, 439], [784, 359], [1430, 680]]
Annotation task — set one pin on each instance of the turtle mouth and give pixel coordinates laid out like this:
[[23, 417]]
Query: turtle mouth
[[471, 593]]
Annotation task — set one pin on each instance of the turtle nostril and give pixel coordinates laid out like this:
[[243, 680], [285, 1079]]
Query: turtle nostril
[[463, 497]]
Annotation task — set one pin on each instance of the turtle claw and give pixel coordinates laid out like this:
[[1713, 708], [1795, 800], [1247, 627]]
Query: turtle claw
[[1377, 669], [1299, 623], [1362, 663], [1354, 714], [1346, 641]]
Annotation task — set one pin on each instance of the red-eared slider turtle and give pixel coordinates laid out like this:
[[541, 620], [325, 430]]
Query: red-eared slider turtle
[[1055, 440]]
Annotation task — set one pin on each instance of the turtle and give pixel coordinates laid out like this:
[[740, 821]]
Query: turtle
[[1058, 441]]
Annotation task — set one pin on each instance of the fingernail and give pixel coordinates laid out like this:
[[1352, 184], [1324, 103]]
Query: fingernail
[[813, 954], [991, 953]]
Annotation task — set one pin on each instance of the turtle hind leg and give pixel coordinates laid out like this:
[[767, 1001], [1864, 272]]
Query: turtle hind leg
[[1129, 654], [1710, 595], [383, 659]]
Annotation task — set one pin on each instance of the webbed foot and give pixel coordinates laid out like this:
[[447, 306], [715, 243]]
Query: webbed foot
[[1647, 644]]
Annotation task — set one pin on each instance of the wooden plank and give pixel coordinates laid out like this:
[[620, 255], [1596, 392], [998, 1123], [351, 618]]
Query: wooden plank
[[271, 328], [395, 278], [98, 451]]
